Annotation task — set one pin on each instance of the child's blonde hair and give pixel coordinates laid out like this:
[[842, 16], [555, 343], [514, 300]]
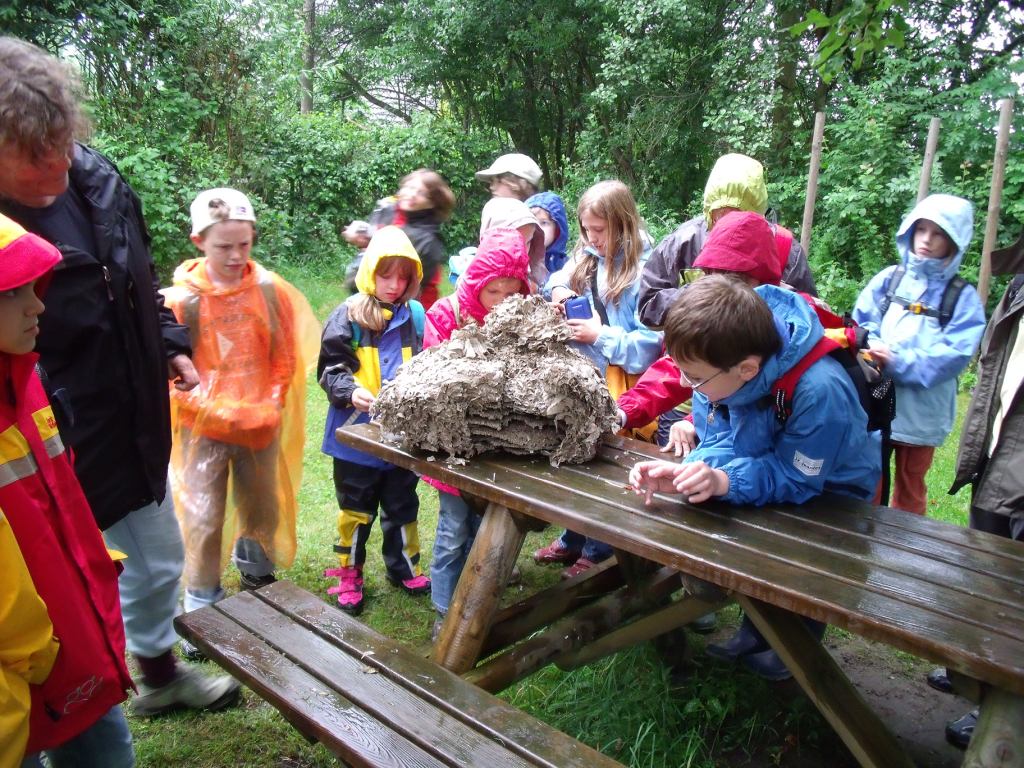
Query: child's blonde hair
[[612, 201], [366, 310]]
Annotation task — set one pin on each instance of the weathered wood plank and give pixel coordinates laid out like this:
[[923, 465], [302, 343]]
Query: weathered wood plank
[[475, 602], [448, 739], [444, 690], [998, 740], [519, 620], [712, 543], [833, 694], [315, 710], [574, 631]]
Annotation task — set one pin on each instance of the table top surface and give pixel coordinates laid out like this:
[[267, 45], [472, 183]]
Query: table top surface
[[946, 593]]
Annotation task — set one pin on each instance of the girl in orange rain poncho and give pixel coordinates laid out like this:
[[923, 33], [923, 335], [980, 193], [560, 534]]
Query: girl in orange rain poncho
[[236, 463]]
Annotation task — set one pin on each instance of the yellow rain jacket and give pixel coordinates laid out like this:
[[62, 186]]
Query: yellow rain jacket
[[28, 648], [253, 346]]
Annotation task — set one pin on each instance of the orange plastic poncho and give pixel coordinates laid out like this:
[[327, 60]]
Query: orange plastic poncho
[[253, 346]]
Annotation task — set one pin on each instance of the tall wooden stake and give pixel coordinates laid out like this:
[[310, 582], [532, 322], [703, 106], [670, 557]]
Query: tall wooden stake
[[929, 158], [812, 182], [995, 197]]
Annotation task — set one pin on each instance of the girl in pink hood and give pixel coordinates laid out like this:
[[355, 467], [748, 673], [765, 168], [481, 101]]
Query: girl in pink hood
[[500, 269]]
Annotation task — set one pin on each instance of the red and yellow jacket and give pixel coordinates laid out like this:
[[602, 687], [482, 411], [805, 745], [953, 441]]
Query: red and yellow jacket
[[70, 569]]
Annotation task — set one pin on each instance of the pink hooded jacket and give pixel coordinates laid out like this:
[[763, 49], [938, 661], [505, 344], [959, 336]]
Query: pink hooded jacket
[[502, 253]]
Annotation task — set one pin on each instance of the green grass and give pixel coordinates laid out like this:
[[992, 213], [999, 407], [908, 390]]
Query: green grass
[[628, 705]]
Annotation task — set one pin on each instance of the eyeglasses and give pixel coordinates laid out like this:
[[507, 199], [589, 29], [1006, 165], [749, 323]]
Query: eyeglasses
[[696, 385]]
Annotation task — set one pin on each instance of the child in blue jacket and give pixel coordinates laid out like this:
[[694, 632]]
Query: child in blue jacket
[[922, 350], [732, 343], [554, 223], [364, 342]]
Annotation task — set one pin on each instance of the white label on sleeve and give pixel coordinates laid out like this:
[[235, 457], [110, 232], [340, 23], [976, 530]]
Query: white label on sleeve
[[807, 465]]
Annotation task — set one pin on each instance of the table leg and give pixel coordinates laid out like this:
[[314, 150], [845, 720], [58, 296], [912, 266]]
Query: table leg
[[825, 684], [998, 741], [478, 593]]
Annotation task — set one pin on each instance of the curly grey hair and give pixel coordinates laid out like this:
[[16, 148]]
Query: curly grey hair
[[40, 107]]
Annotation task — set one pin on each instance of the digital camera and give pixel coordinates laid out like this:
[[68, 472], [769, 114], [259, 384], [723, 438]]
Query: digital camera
[[578, 308]]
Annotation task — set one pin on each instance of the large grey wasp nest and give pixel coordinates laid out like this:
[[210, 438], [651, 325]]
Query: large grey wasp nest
[[511, 385]]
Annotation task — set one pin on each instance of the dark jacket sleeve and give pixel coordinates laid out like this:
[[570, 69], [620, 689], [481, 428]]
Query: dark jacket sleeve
[[798, 272], [177, 340], [659, 283], [336, 368]]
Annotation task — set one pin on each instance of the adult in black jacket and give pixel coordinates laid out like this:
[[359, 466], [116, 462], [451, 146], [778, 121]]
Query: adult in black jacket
[[108, 347]]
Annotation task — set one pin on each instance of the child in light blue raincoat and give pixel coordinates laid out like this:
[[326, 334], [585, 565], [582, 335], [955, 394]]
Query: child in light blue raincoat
[[926, 324]]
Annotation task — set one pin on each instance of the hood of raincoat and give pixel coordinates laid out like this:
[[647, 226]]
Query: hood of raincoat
[[799, 329], [387, 241], [501, 254], [743, 242], [736, 181], [191, 274], [956, 217], [554, 255]]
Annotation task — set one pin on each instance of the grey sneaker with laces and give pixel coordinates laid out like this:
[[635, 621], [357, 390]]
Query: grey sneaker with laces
[[190, 689]]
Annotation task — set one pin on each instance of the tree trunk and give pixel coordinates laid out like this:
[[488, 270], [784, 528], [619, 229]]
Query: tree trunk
[[308, 58]]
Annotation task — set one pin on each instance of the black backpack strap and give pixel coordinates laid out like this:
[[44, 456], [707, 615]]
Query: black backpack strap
[[598, 304], [890, 288], [950, 297]]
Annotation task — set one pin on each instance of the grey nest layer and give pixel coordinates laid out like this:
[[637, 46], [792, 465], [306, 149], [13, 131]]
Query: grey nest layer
[[511, 385]]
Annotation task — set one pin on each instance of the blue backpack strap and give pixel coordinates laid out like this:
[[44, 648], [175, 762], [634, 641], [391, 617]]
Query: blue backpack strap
[[419, 320]]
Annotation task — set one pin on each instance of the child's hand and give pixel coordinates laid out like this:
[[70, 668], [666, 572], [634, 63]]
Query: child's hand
[[182, 371], [560, 294], [362, 399], [357, 233], [699, 482], [880, 352], [650, 477], [585, 331], [682, 438]]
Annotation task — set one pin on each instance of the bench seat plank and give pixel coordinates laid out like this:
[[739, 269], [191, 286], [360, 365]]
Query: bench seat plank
[[445, 719], [317, 712]]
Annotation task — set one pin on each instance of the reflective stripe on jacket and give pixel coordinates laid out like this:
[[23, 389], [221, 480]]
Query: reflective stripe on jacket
[[70, 567]]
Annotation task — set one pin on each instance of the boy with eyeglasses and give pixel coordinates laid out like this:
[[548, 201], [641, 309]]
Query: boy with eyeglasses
[[732, 343]]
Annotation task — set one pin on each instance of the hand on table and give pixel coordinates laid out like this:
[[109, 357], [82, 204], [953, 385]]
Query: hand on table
[[682, 438], [697, 481]]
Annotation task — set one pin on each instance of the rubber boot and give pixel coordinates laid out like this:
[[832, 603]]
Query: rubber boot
[[747, 640], [768, 665]]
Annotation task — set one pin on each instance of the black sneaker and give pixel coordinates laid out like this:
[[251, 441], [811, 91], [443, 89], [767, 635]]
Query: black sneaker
[[247, 582], [959, 731]]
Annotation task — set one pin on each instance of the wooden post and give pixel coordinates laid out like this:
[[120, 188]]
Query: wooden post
[[995, 197], [478, 592], [997, 740], [929, 159], [812, 182]]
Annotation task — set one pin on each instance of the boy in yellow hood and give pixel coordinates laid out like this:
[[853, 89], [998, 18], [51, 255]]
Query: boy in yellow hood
[[236, 462]]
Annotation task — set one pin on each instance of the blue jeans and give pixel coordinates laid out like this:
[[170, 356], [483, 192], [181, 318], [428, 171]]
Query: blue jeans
[[457, 525], [106, 744], [151, 539], [593, 550]]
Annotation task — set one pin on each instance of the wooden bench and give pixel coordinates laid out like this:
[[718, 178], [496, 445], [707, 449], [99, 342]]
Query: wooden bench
[[369, 700], [944, 593]]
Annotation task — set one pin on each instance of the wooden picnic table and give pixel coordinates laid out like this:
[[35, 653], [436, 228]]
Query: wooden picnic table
[[941, 592]]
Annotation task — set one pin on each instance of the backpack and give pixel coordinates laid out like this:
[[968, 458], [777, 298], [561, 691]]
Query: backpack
[[845, 342], [947, 304]]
